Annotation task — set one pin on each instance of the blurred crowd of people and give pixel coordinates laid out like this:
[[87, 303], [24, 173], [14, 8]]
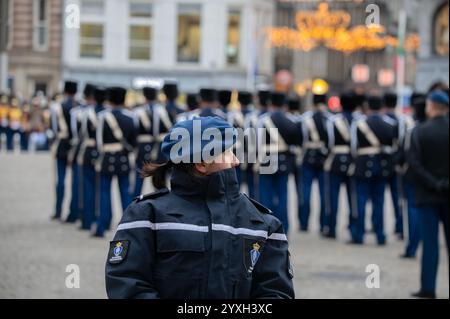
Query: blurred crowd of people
[[24, 124]]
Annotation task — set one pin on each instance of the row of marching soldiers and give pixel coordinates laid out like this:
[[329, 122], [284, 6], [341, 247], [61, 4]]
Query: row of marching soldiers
[[360, 148]]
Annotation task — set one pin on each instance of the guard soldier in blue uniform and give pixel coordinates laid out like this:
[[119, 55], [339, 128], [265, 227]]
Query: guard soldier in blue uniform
[[145, 130], [395, 180], [116, 138], [428, 158], [373, 138], [251, 123], [339, 161], [192, 108], [224, 99], [60, 123], [295, 115], [76, 120], [315, 146], [203, 239], [281, 133], [88, 156], [171, 92], [208, 104], [236, 118]]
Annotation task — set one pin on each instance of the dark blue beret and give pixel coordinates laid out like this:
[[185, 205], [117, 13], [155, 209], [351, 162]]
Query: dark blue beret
[[438, 97], [198, 140]]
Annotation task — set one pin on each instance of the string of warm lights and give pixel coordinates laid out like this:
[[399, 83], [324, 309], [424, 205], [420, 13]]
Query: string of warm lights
[[331, 29]]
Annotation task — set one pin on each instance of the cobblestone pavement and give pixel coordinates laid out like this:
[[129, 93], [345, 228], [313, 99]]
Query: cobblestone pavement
[[35, 251]]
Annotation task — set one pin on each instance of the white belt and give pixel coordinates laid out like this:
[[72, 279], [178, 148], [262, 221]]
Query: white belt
[[145, 139], [371, 150], [375, 150], [273, 148], [341, 149], [62, 135], [314, 145], [112, 148], [336, 150], [90, 142]]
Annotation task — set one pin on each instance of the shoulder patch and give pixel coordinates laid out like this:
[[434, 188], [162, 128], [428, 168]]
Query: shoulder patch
[[261, 208], [156, 194], [118, 251]]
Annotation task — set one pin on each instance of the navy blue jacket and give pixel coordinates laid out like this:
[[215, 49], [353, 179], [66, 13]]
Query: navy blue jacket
[[64, 146], [315, 156], [116, 162], [91, 154], [382, 163], [203, 239], [339, 143]]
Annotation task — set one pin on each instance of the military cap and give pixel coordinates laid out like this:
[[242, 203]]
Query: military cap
[[375, 102], [319, 99], [264, 97], [294, 104], [89, 90], [100, 95], [170, 90], [278, 99], [70, 87], [224, 97], [208, 95], [348, 102], [150, 93], [390, 100], [116, 95], [245, 98], [192, 101]]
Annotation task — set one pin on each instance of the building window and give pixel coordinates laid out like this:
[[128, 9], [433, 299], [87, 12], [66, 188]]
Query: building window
[[5, 24], [141, 9], [91, 40], [189, 33], [441, 31], [41, 25], [140, 29], [92, 7], [234, 36], [140, 38]]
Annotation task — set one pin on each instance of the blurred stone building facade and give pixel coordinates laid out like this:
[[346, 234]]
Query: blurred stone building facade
[[198, 43], [34, 48]]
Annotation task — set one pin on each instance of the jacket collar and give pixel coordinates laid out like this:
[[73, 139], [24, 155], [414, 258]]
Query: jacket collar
[[219, 184]]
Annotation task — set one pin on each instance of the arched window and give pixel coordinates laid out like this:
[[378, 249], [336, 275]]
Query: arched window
[[441, 31]]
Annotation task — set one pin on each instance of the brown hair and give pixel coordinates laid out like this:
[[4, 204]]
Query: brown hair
[[159, 172]]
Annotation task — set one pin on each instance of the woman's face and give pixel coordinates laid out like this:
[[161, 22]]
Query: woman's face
[[222, 162]]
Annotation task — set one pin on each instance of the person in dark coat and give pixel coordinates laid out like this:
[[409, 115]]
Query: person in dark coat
[[203, 239], [428, 158]]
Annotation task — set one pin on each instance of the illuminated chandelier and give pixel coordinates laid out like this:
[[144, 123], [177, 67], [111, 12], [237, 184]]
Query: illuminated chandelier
[[331, 29]]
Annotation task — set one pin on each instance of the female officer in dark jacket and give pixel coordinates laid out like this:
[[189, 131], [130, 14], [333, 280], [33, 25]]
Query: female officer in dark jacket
[[202, 239]]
